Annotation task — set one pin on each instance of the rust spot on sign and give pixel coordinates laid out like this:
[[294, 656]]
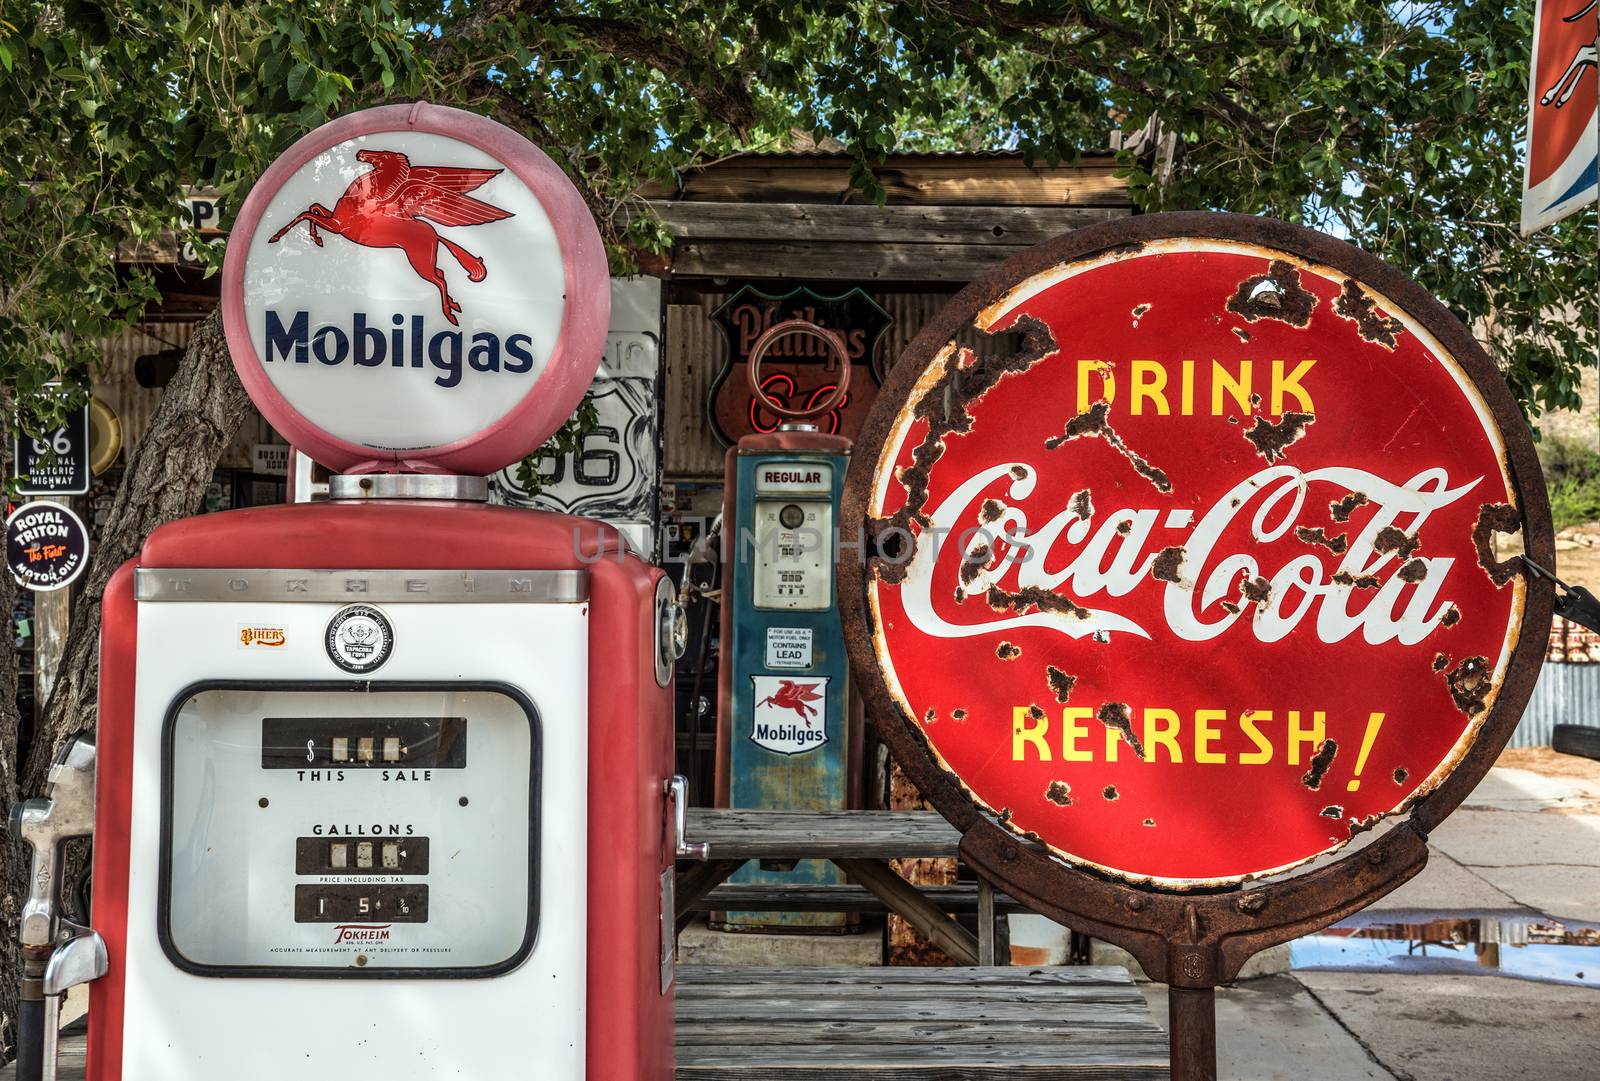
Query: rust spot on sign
[[1061, 684], [929, 717], [1272, 440], [1168, 562], [1414, 571], [1032, 597], [1007, 652], [1138, 312], [1400, 776], [1441, 662], [1125, 527], [1109, 792], [1059, 793], [1469, 685], [1318, 535], [1366, 581], [1036, 713], [1258, 590], [1332, 810], [944, 407], [1232, 609], [1150, 822], [1277, 294], [992, 509], [1092, 422], [1312, 778], [1342, 509], [1242, 334], [1392, 539], [972, 566], [1017, 473], [1451, 617], [958, 715], [1353, 304], [1495, 518], [1082, 505], [1117, 715]]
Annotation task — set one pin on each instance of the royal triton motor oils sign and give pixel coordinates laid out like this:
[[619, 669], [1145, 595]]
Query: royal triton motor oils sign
[[1189, 570]]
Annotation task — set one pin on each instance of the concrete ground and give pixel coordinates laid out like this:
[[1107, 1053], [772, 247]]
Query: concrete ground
[[1525, 847]]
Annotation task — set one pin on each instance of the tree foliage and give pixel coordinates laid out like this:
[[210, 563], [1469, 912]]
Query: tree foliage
[[1397, 125]]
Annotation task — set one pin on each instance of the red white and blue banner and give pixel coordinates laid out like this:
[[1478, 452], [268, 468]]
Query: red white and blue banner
[[1560, 176]]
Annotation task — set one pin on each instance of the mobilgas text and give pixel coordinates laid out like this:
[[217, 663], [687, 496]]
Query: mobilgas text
[[403, 344]]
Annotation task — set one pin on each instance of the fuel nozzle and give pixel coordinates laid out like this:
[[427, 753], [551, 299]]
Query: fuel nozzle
[[45, 825]]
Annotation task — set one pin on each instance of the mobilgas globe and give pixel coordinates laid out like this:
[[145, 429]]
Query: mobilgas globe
[[403, 343]]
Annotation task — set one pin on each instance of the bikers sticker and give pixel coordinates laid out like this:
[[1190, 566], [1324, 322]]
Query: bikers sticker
[[46, 546], [359, 638], [790, 715]]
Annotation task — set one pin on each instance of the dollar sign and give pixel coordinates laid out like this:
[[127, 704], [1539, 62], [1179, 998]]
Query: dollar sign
[[310, 757]]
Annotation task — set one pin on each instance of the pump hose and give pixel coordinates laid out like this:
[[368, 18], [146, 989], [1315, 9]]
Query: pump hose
[[30, 1040]]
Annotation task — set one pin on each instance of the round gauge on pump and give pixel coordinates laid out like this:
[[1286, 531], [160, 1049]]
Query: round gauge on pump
[[791, 516]]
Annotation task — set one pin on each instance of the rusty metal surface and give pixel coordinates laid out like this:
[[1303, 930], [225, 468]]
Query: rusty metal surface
[[1196, 934]]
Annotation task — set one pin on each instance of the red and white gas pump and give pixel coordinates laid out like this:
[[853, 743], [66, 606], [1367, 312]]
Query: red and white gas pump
[[384, 782]]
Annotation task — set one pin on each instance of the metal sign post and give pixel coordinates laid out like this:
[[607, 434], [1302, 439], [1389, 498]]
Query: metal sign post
[[1187, 581]]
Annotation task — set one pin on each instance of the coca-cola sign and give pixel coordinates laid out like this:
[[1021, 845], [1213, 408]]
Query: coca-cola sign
[[1202, 581]]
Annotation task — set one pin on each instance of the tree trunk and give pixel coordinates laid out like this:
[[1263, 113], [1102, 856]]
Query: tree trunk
[[165, 479], [13, 876]]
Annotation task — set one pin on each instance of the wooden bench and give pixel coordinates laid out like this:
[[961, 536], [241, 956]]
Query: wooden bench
[[895, 1024], [914, 1024]]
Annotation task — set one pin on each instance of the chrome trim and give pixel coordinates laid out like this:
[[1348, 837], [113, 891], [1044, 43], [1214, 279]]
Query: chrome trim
[[212, 584], [364, 486]]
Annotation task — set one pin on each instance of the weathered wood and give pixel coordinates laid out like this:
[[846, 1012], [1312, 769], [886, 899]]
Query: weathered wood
[[746, 897], [753, 835], [955, 940], [868, 262], [965, 179], [693, 884], [986, 922], [989, 226], [948, 1024]]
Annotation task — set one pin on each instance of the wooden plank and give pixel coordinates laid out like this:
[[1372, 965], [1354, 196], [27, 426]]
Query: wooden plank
[[743, 834], [991, 226], [759, 259], [955, 940], [693, 884], [983, 180], [694, 977], [744, 897]]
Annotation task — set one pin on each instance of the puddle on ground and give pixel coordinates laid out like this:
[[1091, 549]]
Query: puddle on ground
[[1543, 950]]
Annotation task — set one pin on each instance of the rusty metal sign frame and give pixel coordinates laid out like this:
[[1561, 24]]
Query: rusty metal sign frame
[[1194, 940]]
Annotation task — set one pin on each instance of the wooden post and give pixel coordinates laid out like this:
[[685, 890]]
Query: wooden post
[[52, 611]]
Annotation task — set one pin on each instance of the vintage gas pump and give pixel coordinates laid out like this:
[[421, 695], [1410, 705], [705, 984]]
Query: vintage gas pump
[[788, 729], [384, 781]]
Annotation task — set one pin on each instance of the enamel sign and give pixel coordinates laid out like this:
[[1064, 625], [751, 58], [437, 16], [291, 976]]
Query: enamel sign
[[1189, 571], [415, 288]]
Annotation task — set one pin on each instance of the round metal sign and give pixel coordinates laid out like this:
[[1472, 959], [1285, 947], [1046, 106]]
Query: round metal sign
[[46, 546], [1185, 549], [415, 288]]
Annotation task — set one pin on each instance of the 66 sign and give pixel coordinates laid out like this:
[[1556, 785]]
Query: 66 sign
[[1191, 575]]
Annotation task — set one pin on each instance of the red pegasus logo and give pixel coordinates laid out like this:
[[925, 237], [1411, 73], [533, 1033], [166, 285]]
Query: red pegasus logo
[[792, 695], [385, 208]]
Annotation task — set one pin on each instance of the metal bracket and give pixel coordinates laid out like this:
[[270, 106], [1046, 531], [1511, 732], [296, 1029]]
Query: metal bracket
[[1572, 602]]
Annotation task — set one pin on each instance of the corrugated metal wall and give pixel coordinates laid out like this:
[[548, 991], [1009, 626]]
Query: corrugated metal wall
[[696, 351], [115, 385], [1565, 694]]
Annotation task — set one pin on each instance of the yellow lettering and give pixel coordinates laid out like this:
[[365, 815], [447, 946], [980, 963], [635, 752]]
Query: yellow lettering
[[1187, 399], [1206, 733], [1239, 388], [1290, 384], [1113, 744], [1022, 731], [1263, 751], [1151, 387], [1073, 731], [1311, 736], [1164, 732], [1108, 383]]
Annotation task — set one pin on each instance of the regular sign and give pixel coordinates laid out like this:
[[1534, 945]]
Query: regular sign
[[418, 288], [1188, 568]]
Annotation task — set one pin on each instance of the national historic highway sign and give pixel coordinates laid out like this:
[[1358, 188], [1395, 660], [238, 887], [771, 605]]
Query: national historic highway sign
[[1187, 569]]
